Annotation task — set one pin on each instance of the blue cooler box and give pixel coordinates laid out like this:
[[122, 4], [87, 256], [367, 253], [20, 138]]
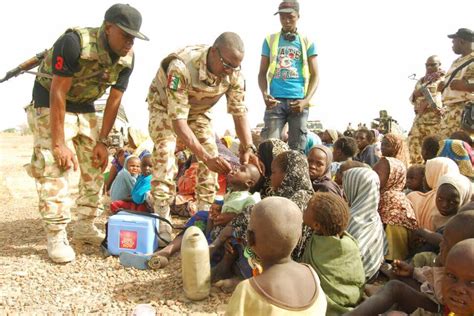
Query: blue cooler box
[[131, 233]]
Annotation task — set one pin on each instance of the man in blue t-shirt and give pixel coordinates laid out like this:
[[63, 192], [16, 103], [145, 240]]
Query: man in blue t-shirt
[[288, 66]]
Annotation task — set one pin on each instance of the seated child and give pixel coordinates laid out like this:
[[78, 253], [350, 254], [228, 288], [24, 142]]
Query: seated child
[[430, 147], [346, 166], [396, 211], [430, 296], [117, 165], [125, 180], [453, 192], [240, 181], [367, 154], [284, 287], [457, 284], [333, 252], [319, 162], [415, 176], [140, 192], [344, 149]]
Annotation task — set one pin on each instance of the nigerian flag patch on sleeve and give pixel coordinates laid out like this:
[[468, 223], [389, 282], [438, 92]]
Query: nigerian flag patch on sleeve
[[174, 82]]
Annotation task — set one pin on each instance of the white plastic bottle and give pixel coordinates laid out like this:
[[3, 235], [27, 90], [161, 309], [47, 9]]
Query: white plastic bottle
[[195, 264]]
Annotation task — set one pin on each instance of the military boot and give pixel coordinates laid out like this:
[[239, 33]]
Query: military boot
[[59, 250], [86, 232]]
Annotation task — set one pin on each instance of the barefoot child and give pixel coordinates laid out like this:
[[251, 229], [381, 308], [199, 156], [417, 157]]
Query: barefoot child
[[333, 253], [285, 287]]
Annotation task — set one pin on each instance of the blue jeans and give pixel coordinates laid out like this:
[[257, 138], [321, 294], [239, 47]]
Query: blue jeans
[[276, 117]]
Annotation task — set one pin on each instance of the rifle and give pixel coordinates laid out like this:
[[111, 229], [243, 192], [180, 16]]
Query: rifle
[[428, 96], [25, 66]]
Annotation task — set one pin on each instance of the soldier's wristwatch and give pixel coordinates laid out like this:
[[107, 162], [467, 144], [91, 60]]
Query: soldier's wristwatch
[[103, 140], [249, 147]]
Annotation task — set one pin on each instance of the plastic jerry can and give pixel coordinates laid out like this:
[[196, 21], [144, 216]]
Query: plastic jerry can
[[195, 264]]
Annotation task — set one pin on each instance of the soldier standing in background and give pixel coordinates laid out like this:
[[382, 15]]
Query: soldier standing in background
[[76, 71], [187, 85], [427, 108], [458, 88]]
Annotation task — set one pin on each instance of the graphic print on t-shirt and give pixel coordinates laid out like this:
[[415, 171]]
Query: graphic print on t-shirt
[[287, 60]]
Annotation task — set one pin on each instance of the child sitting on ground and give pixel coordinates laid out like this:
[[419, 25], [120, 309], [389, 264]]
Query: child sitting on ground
[[457, 284], [140, 192], [454, 191], [125, 180], [430, 295], [333, 252], [430, 147], [319, 162], [284, 287], [344, 149], [415, 178], [367, 154], [396, 211], [240, 182]]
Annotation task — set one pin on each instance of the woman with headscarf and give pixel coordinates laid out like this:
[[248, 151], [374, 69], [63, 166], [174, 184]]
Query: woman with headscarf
[[361, 186], [460, 184], [393, 145], [424, 203], [395, 209], [319, 162], [461, 153]]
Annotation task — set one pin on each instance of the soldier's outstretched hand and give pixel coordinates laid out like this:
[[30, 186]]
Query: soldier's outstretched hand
[[219, 165]]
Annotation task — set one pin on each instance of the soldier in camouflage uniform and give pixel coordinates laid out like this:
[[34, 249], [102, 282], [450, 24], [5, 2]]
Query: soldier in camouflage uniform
[[82, 64], [427, 117], [458, 89], [187, 85]]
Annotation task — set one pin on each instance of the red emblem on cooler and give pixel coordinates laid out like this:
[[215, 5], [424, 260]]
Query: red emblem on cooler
[[128, 239]]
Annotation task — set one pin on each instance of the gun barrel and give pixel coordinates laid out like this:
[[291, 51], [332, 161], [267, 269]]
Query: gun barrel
[[25, 66]]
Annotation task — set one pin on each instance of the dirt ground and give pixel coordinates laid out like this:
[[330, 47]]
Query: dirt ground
[[31, 284]]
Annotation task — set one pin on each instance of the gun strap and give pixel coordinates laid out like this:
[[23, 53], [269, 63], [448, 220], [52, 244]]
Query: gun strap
[[455, 72]]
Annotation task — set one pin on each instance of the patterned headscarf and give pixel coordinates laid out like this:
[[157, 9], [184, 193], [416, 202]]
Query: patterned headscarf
[[361, 186], [400, 151], [296, 184], [460, 152]]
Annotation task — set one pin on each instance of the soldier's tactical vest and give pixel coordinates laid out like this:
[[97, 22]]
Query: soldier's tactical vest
[[97, 72]]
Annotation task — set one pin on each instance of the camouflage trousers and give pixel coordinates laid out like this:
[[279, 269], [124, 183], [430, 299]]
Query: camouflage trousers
[[451, 121], [163, 188], [425, 124], [52, 184]]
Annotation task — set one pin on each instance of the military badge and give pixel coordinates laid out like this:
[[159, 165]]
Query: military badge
[[173, 82]]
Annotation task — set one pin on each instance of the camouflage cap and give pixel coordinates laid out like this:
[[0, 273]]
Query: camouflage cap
[[288, 6], [463, 33], [127, 18]]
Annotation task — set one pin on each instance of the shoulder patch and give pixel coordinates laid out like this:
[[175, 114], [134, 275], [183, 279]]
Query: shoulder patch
[[174, 82]]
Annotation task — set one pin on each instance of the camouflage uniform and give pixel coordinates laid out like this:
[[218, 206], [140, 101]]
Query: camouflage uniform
[[80, 130], [426, 121], [184, 89], [454, 100]]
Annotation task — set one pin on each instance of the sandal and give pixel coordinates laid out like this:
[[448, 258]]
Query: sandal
[[157, 262]]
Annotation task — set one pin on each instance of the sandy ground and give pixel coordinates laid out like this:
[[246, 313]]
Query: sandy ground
[[31, 284]]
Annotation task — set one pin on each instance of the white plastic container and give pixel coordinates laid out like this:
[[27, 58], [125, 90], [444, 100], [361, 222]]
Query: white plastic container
[[195, 264]]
